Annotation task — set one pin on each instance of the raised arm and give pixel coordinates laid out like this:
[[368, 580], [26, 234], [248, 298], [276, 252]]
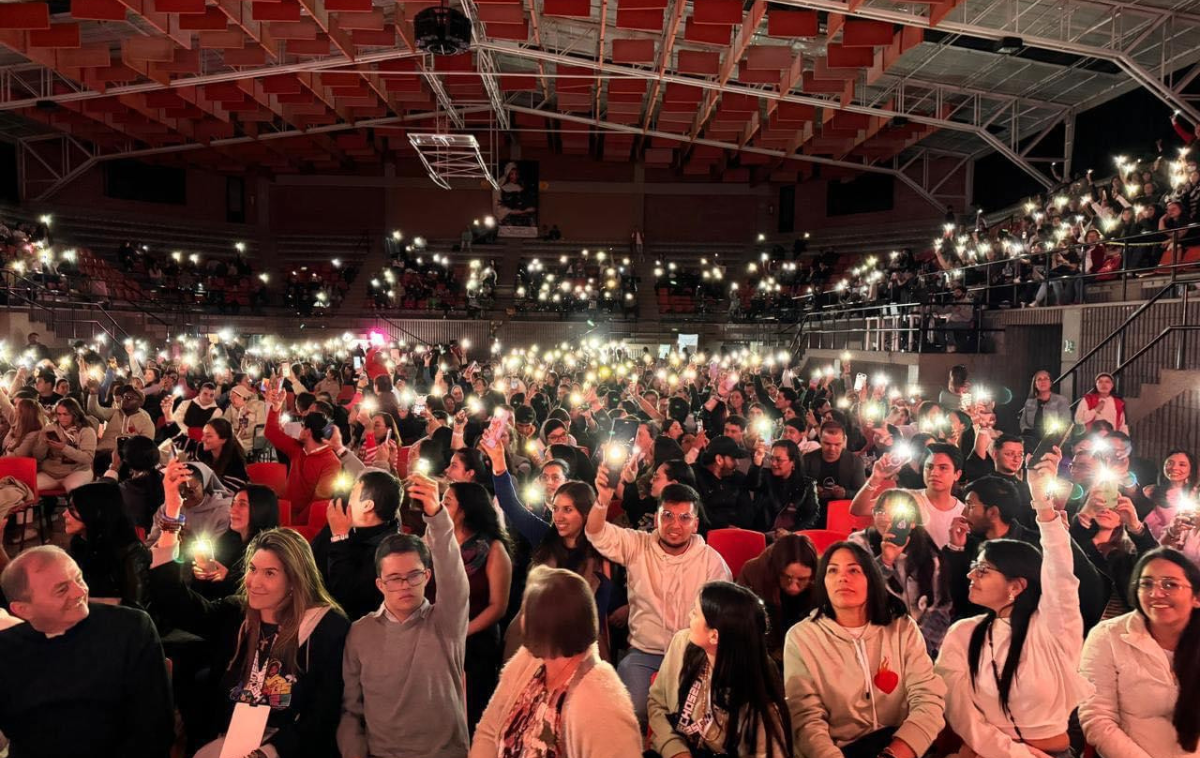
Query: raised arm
[[532, 528]]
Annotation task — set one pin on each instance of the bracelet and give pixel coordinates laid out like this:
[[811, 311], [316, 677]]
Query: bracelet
[[179, 520]]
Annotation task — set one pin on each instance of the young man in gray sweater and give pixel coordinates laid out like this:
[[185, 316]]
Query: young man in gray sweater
[[403, 664]]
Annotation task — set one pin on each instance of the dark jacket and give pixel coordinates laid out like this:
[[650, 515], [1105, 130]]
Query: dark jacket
[[348, 567], [789, 504], [851, 474], [308, 724], [727, 502], [1093, 588], [121, 572], [1116, 568], [143, 495]]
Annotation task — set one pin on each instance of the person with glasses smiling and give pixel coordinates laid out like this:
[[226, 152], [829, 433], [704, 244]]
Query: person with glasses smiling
[[403, 664], [1011, 674], [666, 569], [1145, 666]]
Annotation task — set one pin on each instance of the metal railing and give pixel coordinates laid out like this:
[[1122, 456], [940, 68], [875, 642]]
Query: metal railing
[[55, 308]]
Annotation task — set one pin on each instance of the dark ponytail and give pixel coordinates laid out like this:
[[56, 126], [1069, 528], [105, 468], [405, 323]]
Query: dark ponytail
[[1015, 560]]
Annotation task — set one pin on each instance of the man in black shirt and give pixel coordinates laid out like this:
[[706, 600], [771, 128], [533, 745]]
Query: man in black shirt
[[839, 473], [1006, 459], [725, 491], [81, 680], [345, 548], [43, 382]]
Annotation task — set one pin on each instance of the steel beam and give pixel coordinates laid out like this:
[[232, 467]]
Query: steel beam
[[972, 128], [227, 76], [1120, 58], [683, 141]]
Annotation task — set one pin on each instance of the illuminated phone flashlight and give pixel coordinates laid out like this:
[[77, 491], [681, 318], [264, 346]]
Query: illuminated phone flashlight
[[474, 404], [424, 466], [902, 452], [899, 509], [764, 428], [343, 483], [615, 454], [1186, 504], [177, 392], [576, 399], [829, 371], [1053, 426], [880, 380], [1054, 487], [203, 551], [531, 447], [535, 494], [370, 405], [1101, 446], [1105, 475], [843, 403], [95, 373]]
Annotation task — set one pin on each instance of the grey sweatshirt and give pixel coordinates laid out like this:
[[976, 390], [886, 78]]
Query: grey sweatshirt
[[403, 694]]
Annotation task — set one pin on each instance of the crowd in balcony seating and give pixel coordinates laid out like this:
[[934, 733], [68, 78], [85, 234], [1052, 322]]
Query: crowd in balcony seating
[[712, 548], [416, 279], [593, 282]]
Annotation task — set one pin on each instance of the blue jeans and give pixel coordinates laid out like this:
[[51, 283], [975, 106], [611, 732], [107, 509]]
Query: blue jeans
[[635, 670]]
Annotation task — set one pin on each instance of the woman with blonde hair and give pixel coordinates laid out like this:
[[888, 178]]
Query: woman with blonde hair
[[556, 698], [277, 644]]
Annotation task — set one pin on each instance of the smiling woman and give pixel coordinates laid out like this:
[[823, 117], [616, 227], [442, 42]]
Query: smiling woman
[[1145, 665], [277, 645]]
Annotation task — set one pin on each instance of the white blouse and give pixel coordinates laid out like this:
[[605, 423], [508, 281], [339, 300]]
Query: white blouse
[[1047, 686]]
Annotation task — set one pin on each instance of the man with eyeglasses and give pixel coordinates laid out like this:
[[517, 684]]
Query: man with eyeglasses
[[993, 511], [666, 569], [403, 693], [786, 497]]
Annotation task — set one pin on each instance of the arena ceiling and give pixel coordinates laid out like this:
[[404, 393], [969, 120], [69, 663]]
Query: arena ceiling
[[744, 90]]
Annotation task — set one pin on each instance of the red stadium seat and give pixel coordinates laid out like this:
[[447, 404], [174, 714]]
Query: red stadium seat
[[317, 519], [285, 512], [737, 546], [24, 470], [272, 474], [823, 538], [839, 519]]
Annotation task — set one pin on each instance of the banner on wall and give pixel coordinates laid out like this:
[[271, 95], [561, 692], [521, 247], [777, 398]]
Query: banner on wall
[[515, 203]]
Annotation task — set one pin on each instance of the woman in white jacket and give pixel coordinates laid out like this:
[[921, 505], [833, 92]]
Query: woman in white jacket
[[1145, 666], [857, 678], [1011, 674]]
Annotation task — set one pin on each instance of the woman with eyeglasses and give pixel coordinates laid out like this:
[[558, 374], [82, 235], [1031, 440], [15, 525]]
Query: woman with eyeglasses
[[782, 575], [911, 563], [858, 680], [1145, 666], [717, 693], [1011, 674], [558, 543]]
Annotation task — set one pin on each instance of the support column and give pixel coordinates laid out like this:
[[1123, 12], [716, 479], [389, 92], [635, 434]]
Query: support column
[[1068, 143]]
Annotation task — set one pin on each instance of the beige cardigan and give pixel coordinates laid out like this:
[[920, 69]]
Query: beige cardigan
[[598, 720], [828, 675]]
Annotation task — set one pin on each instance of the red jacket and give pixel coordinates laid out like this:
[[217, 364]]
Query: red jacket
[[310, 475]]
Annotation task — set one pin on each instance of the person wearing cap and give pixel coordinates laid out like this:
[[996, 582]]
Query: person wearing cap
[[125, 419], [313, 464], [245, 413], [724, 490]]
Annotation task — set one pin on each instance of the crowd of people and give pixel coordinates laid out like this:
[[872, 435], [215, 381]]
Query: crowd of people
[[417, 280], [583, 550], [593, 283]]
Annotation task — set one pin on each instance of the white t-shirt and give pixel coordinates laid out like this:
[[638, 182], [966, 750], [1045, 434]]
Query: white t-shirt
[[937, 522]]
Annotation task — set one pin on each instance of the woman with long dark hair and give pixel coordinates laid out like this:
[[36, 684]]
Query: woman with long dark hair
[[223, 454], [857, 677], [276, 644], [718, 693], [559, 542], [1145, 666], [782, 575], [485, 550], [911, 563], [1176, 482], [104, 544], [254, 509], [1011, 674]]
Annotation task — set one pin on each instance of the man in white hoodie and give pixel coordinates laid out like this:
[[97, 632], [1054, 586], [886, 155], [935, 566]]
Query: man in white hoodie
[[667, 568]]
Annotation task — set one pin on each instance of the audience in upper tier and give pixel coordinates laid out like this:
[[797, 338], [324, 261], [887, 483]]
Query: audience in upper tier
[[393, 550]]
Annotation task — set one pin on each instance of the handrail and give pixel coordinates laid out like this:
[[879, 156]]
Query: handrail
[[1118, 331], [29, 284], [399, 328], [1157, 338]]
